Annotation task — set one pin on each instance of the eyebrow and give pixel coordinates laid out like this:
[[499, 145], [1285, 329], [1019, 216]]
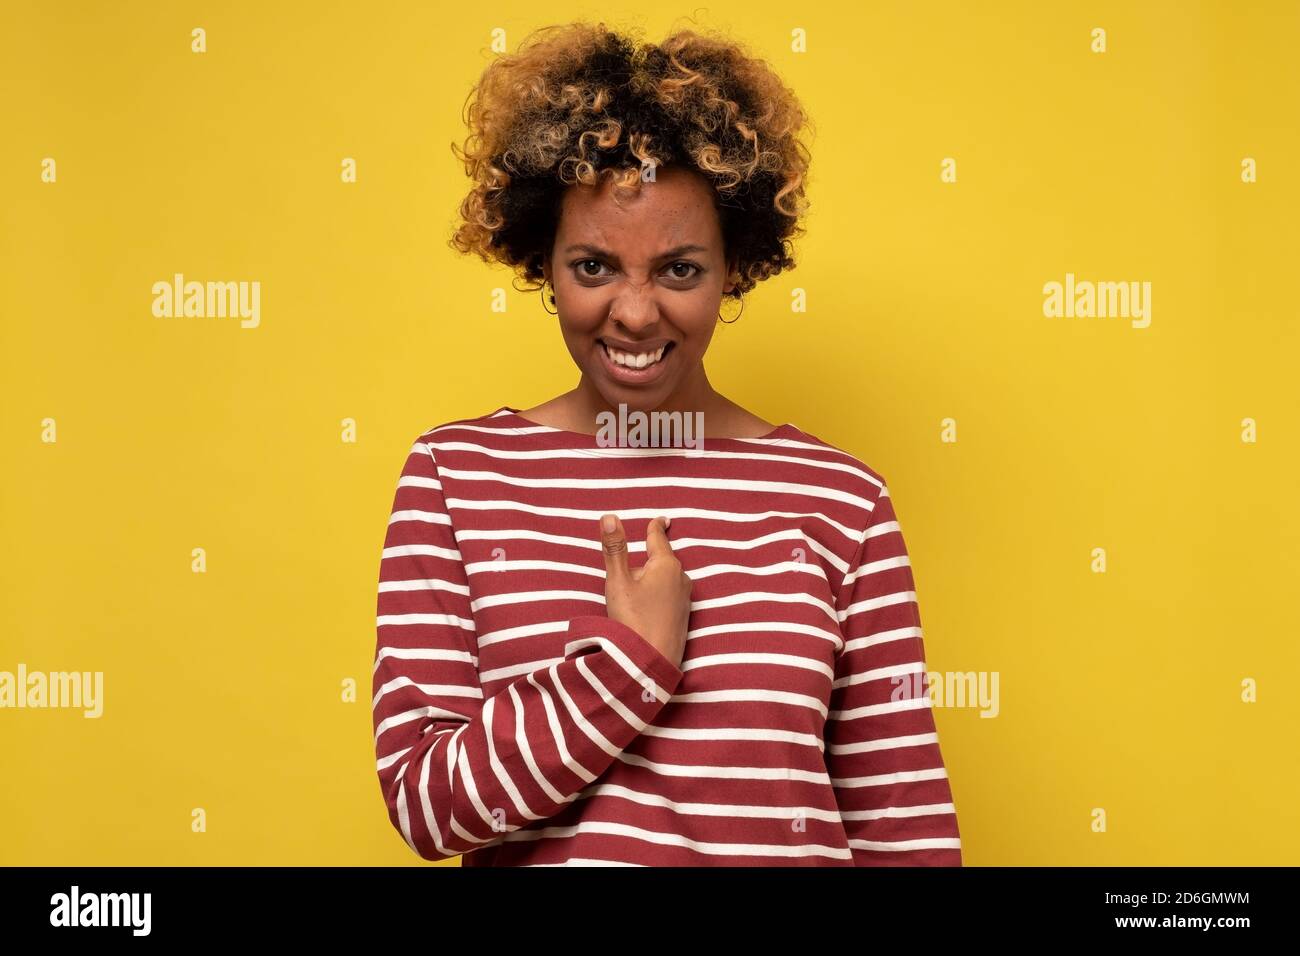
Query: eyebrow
[[606, 254]]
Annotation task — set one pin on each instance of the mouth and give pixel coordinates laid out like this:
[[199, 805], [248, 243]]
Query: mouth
[[635, 368]]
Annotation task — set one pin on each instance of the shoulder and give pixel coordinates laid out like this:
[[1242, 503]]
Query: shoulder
[[841, 469], [443, 443], [494, 421]]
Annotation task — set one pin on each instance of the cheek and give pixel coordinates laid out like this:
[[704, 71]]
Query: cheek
[[580, 323], [581, 315], [580, 340], [699, 333]]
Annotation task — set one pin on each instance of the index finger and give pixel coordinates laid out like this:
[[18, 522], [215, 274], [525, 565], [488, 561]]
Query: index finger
[[656, 539]]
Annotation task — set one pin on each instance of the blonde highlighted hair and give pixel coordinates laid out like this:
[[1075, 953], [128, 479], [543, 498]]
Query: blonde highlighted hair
[[579, 103]]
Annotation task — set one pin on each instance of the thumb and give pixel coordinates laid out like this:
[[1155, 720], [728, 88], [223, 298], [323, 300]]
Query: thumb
[[614, 545]]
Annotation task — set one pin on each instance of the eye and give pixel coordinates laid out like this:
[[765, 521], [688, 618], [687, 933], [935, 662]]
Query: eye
[[581, 263], [682, 263]]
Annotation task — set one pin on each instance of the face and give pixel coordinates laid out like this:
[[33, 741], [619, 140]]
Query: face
[[638, 284]]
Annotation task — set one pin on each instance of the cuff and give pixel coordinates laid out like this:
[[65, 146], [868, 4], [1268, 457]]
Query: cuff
[[645, 655]]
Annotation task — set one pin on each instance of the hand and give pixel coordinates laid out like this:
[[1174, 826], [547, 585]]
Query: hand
[[655, 599]]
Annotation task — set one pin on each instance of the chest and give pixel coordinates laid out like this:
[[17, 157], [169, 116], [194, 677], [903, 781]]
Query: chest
[[762, 635]]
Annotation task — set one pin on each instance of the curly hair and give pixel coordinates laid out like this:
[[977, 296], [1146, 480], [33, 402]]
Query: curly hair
[[579, 103]]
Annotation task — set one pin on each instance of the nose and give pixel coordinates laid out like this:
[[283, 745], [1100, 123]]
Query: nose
[[635, 309]]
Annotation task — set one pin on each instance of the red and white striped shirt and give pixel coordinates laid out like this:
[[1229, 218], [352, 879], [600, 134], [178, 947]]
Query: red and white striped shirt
[[516, 724]]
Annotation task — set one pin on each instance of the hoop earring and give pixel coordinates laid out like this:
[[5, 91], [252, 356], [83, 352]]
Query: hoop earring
[[738, 315], [552, 298]]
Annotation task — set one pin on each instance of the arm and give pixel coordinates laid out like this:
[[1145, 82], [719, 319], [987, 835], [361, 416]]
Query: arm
[[459, 771], [882, 750]]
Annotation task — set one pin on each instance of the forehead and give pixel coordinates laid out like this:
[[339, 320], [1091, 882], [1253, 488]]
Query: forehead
[[677, 207]]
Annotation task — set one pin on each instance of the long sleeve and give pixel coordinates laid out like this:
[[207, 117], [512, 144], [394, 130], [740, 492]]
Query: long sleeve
[[882, 749], [460, 771]]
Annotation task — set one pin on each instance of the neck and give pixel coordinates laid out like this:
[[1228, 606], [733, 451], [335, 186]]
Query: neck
[[695, 394]]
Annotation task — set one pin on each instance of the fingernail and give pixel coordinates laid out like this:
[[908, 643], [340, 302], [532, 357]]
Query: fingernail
[[607, 523], [668, 522]]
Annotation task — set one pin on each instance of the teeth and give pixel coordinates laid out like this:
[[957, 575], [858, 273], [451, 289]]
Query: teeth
[[637, 360]]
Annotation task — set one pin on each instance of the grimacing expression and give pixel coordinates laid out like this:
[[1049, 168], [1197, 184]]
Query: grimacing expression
[[640, 273]]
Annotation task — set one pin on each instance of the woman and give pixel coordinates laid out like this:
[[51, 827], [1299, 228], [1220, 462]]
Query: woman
[[553, 686]]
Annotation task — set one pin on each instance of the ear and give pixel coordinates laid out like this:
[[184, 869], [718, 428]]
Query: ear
[[546, 269], [733, 274]]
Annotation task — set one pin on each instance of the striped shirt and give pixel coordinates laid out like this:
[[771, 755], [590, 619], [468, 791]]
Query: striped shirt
[[518, 725]]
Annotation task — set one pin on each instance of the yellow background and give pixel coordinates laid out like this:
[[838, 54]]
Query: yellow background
[[1119, 691]]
